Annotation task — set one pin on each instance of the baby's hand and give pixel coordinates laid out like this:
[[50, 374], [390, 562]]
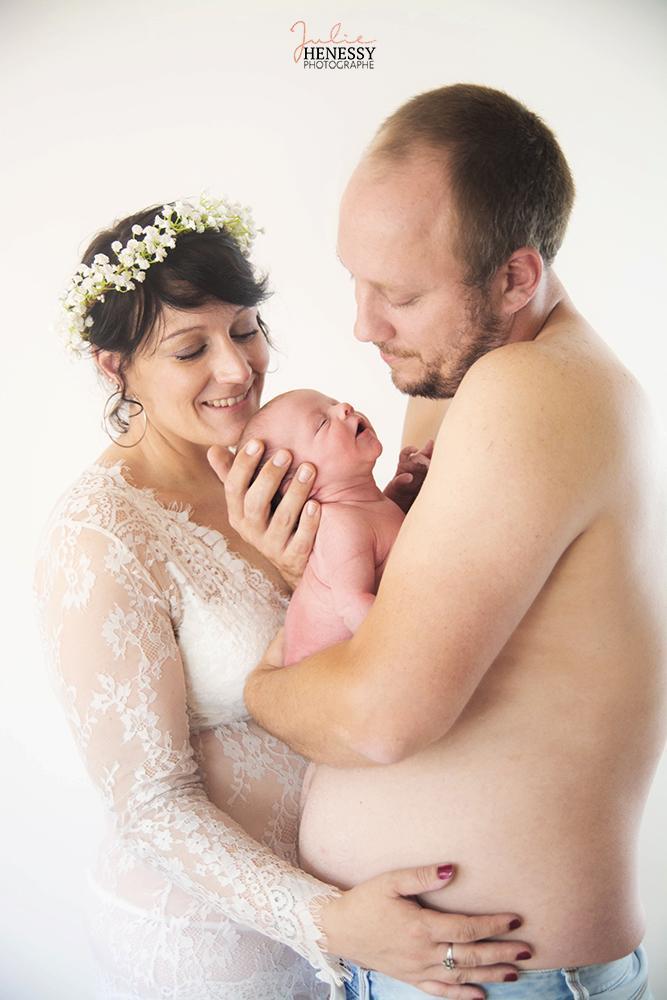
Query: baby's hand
[[413, 464]]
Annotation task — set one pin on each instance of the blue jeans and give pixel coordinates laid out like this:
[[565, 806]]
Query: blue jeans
[[624, 979]]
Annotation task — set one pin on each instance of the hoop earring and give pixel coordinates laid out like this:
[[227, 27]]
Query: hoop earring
[[106, 421]]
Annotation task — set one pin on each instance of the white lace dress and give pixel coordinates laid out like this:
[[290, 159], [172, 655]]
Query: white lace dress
[[152, 625]]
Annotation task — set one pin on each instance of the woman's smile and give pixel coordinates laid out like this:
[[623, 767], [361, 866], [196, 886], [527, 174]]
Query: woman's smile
[[229, 402]]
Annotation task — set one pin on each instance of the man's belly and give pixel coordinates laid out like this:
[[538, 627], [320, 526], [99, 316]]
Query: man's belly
[[530, 832]]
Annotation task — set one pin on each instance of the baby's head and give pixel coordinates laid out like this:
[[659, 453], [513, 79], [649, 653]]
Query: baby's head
[[338, 440]]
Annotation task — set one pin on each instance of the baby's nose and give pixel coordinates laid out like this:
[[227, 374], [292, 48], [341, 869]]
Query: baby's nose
[[343, 410]]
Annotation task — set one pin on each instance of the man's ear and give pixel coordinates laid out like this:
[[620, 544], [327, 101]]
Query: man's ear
[[519, 279]]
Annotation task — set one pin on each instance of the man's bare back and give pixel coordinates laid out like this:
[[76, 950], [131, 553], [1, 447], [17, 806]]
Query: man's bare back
[[538, 785]]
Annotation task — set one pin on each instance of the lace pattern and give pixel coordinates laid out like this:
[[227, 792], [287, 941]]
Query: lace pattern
[[151, 624]]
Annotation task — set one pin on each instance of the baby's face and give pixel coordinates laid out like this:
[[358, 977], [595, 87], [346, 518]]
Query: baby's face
[[334, 436]]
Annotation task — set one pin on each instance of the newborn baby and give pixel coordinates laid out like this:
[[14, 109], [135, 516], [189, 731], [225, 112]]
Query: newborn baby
[[358, 523]]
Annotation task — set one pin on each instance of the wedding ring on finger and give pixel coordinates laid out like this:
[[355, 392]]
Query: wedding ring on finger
[[449, 961]]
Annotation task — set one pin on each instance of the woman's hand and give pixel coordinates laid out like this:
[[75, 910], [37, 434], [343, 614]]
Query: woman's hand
[[413, 464], [379, 926], [285, 537]]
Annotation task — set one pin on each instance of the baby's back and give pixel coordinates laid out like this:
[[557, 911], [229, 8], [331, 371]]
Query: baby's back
[[342, 575]]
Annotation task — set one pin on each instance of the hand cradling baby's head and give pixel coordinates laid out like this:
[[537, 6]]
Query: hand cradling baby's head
[[338, 440]]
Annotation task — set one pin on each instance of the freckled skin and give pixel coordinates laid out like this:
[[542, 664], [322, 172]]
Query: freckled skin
[[358, 523]]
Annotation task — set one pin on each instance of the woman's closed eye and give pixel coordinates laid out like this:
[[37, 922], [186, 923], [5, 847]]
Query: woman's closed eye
[[243, 337], [193, 354], [239, 337]]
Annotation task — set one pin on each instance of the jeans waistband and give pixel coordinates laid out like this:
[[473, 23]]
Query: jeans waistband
[[622, 979]]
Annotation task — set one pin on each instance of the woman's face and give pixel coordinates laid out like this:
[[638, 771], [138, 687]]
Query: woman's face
[[201, 376]]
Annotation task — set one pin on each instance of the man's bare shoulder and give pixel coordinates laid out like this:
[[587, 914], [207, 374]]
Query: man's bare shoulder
[[569, 380], [563, 408]]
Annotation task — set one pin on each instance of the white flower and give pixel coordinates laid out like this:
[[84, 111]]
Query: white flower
[[80, 579], [112, 694], [117, 558], [90, 282], [163, 840], [119, 628], [196, 843]]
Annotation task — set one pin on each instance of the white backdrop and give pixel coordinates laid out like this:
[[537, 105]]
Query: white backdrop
[[110, 106]]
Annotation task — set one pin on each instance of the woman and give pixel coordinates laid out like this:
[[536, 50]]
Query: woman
[[154, 612]]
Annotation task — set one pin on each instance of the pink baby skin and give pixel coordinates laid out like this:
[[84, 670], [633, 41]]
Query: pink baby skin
[[358, 524]]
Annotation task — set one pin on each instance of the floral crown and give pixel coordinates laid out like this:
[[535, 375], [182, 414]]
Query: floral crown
[[149, 245]]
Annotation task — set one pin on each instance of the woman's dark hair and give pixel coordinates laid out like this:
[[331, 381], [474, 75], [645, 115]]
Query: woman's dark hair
[[201, 268]]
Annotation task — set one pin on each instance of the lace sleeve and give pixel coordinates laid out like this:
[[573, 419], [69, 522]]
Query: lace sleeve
[[109, 637]]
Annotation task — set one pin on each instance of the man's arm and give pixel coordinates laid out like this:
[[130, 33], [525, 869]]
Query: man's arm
[[516, 476]]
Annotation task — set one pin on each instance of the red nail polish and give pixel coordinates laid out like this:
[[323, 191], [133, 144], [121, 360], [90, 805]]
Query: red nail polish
[[511, 977], [522, 955], [445, 871], [514, 924]]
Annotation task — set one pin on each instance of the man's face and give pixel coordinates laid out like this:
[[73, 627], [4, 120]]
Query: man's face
[[395, 237]]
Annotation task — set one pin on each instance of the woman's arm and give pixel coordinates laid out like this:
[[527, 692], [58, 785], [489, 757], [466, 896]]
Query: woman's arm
[[110, 637]]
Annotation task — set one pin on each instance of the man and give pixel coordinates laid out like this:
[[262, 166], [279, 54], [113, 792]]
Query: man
[[509, 680]]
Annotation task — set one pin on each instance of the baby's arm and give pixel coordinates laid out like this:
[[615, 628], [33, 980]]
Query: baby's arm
[[345, 560]]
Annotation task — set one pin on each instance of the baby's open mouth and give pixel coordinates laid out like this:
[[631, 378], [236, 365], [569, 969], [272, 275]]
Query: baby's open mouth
[[361, 427]]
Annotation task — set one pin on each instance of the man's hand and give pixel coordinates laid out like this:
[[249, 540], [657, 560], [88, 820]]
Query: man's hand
[[413, 464], [285, 538]]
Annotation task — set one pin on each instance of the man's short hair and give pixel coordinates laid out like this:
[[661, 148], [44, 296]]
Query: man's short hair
[[511, 184]]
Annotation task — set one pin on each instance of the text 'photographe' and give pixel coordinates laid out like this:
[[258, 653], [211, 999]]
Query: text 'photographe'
[[337, 51]]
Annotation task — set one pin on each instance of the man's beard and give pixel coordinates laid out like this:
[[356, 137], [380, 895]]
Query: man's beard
[[483, 332]]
